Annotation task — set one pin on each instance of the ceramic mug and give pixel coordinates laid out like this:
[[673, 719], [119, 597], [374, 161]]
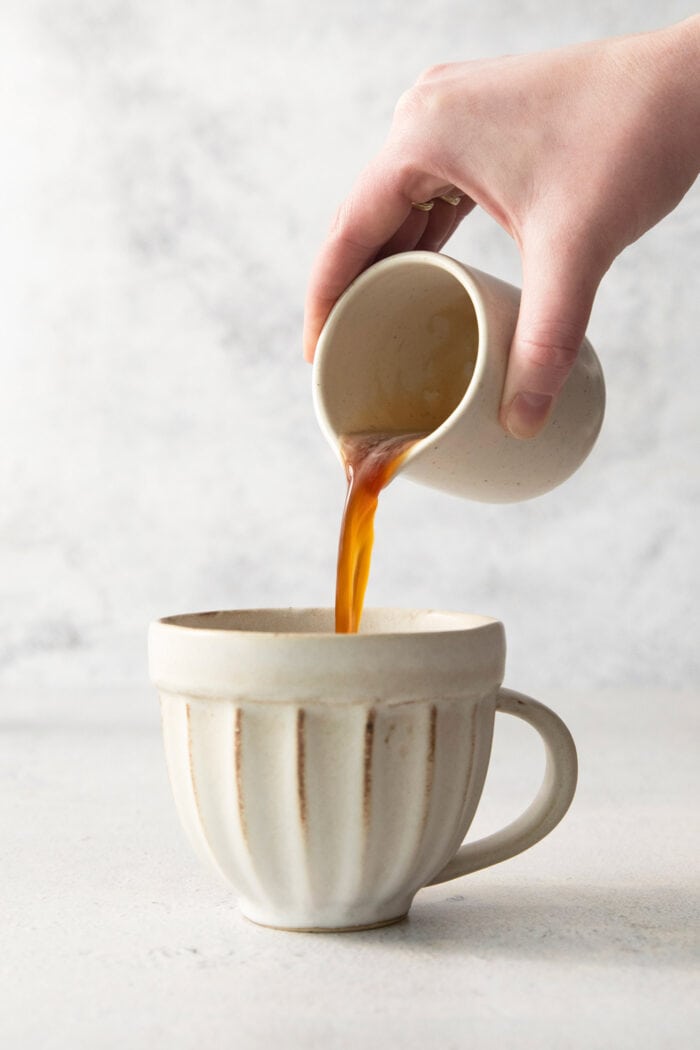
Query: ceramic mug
[[420, 343], [329, 777]]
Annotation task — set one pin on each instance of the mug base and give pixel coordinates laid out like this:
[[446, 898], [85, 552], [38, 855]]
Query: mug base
[[327, 929]]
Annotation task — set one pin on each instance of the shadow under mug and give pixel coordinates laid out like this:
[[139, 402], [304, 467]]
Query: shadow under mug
[[329, 777]]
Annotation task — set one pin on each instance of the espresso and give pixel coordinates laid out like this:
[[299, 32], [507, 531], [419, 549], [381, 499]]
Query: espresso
[[371, 460]]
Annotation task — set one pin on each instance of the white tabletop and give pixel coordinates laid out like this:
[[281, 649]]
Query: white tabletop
[[114, 936]]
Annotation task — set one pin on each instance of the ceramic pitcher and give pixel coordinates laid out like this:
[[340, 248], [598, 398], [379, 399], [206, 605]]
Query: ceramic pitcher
[[420, 343]]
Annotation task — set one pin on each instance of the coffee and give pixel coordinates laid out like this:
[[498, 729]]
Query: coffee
[[371, 460]]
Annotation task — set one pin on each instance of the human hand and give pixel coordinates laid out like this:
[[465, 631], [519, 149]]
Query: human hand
[[575, 153]]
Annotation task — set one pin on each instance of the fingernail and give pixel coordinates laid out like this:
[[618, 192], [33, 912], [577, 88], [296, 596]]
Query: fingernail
[[527, 413]]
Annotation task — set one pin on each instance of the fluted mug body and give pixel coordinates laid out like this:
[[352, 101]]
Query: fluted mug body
[[328, 777]]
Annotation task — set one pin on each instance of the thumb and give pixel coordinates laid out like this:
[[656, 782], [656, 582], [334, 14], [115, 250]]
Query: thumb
[[556, 303]]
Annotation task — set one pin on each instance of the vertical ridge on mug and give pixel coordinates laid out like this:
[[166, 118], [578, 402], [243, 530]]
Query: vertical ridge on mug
[[271, 802], [196, 733], [465, 742], [333, 750], [401, 779]]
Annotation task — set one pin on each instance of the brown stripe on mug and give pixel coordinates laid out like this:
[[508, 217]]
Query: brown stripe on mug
[[367, 768], [301, 771], [238, 769]]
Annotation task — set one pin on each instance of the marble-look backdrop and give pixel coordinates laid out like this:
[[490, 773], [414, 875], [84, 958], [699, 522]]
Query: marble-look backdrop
[[168, 169]]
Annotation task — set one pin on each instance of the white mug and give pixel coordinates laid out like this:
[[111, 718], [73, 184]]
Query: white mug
[[329, 777], [420, 343]]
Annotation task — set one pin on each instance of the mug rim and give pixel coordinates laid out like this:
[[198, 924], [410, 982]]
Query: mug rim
[[463, 623], [452, 654]]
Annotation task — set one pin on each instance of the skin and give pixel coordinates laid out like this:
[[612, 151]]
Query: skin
[[575, 153]]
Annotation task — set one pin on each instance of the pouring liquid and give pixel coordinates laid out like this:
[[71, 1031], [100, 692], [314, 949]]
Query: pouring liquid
[[371, 461]]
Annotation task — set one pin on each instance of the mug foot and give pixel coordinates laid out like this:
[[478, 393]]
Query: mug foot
[[327, 929]]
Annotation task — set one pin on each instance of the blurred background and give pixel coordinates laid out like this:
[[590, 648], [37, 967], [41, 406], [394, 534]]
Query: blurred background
[[168, 171]]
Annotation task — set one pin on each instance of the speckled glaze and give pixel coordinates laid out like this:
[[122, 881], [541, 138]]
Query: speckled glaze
[[328, 777], [420, 342]]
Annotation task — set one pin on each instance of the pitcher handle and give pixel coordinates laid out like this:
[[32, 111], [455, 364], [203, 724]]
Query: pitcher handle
[[547, 808]]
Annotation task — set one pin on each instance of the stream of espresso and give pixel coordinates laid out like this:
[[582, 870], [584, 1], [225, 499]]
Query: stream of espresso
[[371, 460]]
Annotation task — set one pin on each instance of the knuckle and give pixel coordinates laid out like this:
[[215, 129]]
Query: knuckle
[[552, 350], [339, 220], [423, 101], [435, 72], [409, 103], [420, 121], [407, 176], [343, 225], [348, 230]]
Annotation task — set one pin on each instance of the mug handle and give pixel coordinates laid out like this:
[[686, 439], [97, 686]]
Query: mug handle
[[547, 808]]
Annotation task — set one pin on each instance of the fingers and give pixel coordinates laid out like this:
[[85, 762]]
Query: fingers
[[443, 220], [429, 231], [376, 208], [554, 310], [408, 234], [376, 217]]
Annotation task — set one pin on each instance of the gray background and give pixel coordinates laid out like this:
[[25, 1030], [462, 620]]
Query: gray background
[[168, 171]]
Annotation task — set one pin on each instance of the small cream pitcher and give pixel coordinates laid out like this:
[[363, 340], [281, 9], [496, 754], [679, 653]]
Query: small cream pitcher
[[419, 343]]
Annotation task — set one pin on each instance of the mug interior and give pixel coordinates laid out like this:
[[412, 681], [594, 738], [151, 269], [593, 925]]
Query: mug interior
[[405, 339]]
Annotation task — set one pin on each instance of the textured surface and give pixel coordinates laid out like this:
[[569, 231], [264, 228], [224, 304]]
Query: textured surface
[[114, 934], [168, 171]]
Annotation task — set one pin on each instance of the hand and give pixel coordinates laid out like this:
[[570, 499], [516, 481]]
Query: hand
[[575, 153]]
